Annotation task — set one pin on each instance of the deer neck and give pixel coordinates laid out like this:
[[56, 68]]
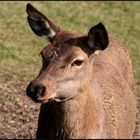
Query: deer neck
[[69, 118], [74, 118]]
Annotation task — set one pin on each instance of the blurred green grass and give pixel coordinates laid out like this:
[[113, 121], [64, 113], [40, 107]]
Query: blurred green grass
[[19, 47]]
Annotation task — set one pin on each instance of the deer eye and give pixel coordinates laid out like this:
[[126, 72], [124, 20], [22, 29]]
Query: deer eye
[[77, 63]]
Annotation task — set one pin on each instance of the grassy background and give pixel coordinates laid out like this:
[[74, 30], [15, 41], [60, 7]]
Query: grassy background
[[19, 47]]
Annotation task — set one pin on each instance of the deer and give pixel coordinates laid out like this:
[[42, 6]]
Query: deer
[[85, 87]]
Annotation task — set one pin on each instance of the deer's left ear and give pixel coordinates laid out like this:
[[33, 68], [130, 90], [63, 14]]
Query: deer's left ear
[[98, 37]]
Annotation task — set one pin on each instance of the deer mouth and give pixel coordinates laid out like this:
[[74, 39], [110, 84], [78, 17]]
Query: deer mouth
[[61, 99], [44, 99], [49, 98], [52, 98]]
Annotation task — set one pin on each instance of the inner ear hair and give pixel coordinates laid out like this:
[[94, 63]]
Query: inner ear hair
[[40, 24], [98, 37]]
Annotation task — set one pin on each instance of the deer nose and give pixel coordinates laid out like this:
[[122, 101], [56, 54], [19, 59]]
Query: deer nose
[[35, 92]]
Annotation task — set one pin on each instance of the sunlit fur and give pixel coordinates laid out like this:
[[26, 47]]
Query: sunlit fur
[[90, 98]]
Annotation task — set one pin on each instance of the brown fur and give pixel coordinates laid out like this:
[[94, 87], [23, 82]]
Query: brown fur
[[85, 94], [114, 71], [108, 108]]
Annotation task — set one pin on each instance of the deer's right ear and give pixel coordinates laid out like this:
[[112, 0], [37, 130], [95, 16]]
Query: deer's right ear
[[40, 24]]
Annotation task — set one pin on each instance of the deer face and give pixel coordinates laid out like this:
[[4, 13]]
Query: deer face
[[67, 61]]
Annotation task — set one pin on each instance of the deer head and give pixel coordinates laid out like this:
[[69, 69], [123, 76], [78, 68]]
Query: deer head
[[67, 62]]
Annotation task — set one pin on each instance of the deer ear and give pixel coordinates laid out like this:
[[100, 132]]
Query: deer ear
[[98, 37], [40, 24]]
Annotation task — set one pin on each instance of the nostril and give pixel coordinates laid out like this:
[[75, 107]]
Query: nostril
[[32, 90], [40, 91]]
